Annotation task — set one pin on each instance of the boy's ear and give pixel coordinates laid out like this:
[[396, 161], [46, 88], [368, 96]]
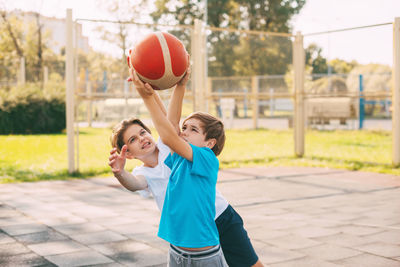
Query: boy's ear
[[211, 143]]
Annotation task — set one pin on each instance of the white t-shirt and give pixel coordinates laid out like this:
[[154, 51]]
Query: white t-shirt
[[157, 181]]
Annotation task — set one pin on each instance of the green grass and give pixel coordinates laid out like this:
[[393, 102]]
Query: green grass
[[44, 157], [352, 150]]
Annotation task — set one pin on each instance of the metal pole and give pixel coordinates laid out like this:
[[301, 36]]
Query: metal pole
[[205, 52], [205, 11], [271, 102], [198, 66], [69, 73], [89, 103], [254, 91], [245, 103], [193, 49], [361, 105], [204, 67], [396, 92], [299, 65], [208, 97], [126, 91], [105, 81], [75, 73]]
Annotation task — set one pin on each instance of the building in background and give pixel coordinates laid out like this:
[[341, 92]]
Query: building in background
[[57, 29]]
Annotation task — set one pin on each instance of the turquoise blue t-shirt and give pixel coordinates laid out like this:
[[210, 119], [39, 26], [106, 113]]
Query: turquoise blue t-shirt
[[187, 218]]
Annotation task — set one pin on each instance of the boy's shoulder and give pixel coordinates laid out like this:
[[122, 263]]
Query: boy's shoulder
[[203, 150], [204, 160]]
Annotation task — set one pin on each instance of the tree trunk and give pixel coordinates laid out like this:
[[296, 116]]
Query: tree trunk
[[20, 52], [39, 64]]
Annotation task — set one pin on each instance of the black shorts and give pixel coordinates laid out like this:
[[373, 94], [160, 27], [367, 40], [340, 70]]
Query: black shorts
[[234, 241]]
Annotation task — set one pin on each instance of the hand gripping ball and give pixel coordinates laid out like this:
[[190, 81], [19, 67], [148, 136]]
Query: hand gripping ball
[[160, 59]]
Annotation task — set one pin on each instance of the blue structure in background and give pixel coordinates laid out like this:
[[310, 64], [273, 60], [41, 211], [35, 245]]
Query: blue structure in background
[[361, 107]]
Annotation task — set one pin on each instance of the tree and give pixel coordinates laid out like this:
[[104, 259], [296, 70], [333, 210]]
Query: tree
[[273, 15], [39, 65], [260, 56], [14, 34], [327, 85], [342, 66], [11, 36], [319, 65], [235, 53], [35, 48], [122, 11], [19, 39], [314, 59], [376, 78]]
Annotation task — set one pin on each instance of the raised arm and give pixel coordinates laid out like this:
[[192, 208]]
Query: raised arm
[[175, 103], [128, 180], [168, 134], [160, 103], [156, 95]]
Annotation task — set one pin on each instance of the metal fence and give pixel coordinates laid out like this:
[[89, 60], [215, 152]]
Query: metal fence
[[317, 99]]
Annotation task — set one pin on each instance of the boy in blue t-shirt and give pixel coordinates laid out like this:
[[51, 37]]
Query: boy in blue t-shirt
[[187, 219]]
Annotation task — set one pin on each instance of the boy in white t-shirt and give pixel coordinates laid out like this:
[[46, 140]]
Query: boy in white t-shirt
[[132, 139]]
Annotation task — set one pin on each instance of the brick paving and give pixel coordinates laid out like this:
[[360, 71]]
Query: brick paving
[[294, 216]]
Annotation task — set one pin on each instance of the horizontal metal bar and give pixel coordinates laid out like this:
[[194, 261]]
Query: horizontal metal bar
[[135, 23], [278, 34], [348, 29]]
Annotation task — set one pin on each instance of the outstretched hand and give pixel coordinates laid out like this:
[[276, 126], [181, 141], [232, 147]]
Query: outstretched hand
[[117, 161], [185, 78], [144, 89]]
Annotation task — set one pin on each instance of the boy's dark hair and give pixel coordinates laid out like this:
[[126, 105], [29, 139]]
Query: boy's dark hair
[[117, 136], [212, 127]]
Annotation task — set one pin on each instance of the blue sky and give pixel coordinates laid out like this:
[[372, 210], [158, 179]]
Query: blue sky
[[372, 45]]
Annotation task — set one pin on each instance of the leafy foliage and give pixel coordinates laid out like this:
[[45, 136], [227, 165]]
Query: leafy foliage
[[314, 59], [31, 110], [19, 38], [238, 53], [9, 55], [320, 65], [376, 77], [341, 66]]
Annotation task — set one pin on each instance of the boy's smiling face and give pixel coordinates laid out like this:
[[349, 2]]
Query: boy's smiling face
[[192, 132], [140, 142]]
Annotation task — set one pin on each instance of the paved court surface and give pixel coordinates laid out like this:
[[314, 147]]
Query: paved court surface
[[294, 216]]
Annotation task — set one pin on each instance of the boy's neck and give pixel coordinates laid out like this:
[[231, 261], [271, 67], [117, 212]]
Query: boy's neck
[[151, 160]]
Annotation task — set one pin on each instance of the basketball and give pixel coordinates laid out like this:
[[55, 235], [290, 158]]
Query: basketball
[[160, 59]]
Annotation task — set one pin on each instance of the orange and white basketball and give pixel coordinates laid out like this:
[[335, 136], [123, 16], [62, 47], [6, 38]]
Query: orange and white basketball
[[160, 59]]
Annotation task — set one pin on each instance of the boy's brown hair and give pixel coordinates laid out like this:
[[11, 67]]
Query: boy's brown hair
[[212, 127], [117, 136]]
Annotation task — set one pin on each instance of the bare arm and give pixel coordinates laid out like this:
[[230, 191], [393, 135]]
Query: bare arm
[[168, 134], [175, 103], [160, 103], [131, 182], [126, 179]]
